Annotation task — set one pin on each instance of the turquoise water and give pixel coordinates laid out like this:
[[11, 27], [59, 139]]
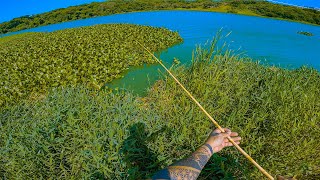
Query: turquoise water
[[272, 41]]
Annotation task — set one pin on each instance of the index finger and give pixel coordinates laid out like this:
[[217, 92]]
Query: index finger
[[230, 132], [227, 130], [218, 131], [234, 134]]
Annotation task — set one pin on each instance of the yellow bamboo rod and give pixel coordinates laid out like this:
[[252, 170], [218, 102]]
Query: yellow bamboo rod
[[210, 117]]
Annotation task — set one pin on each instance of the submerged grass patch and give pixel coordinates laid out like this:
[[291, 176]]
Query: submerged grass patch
[[305, 33], [81, 133], [95, 55]]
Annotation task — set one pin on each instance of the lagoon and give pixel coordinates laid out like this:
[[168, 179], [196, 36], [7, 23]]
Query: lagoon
[[274, 42]]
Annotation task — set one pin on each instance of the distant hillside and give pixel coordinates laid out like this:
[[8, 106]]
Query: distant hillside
[[246, 7]]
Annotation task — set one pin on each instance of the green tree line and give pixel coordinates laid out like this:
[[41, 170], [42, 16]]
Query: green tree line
[[247, 7]]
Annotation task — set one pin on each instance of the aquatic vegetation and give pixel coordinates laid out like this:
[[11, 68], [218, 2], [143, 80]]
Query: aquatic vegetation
[[246, 7], [77, 132], [13, 37], [305, 33], [95, 55]]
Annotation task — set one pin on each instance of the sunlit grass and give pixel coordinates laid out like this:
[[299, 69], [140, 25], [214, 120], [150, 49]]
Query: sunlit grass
[[276, 111], [80, 133]]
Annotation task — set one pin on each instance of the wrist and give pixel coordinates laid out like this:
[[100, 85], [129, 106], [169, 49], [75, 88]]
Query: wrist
[[208, 146], [212, 143]]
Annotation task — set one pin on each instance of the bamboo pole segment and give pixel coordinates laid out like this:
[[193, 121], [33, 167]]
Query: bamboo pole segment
[[209, 116]]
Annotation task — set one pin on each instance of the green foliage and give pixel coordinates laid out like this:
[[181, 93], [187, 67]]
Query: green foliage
[[139, 158], [7, 39], [74, 133], [286, 12], [78, 133], [276, 111], [249, 7], [95, 55]]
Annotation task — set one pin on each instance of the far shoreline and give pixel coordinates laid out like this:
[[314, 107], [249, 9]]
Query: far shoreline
[[263, 9], [179, 9]]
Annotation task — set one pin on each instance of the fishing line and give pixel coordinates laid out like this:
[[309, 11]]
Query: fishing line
[[209, 116]]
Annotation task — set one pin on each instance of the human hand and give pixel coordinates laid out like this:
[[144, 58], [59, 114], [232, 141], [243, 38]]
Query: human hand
[[218, 140]]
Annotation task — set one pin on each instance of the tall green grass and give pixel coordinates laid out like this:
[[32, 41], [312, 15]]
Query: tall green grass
[[80, 133], [276, 111], [73, 133]]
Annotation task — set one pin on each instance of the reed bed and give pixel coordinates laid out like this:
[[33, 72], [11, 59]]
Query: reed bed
[[79, 133], [275, 110]]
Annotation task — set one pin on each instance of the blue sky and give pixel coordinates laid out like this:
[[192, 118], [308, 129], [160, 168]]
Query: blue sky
[[10, 9]]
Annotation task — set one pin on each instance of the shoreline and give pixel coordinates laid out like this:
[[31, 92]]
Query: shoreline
[[178, 9], [258, 9]]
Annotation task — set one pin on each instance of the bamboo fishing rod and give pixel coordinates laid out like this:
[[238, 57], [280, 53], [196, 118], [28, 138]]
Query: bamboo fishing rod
[[210, 117]]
